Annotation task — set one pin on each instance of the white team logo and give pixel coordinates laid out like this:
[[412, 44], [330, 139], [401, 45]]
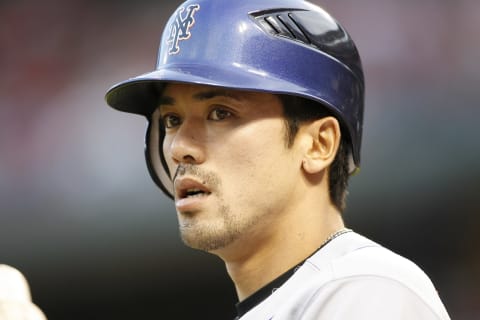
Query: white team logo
[[180, 28]]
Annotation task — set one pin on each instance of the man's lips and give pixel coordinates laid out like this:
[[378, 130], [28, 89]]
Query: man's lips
[[189, 187]]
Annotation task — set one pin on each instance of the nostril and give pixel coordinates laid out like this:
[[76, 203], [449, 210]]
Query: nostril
[[188, 158]]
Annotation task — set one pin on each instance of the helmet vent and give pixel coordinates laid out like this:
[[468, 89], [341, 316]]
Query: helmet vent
[[315, 29], [282, 24]]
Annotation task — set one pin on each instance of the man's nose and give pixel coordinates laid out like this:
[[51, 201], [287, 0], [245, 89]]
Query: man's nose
[[187, 144]]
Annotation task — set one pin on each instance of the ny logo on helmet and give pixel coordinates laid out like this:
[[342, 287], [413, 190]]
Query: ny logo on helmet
[[180, 28]]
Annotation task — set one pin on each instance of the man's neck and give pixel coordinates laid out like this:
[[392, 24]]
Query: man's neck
[[261, 259]]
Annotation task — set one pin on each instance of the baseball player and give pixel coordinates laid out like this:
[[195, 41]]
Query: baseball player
[[254, 126]]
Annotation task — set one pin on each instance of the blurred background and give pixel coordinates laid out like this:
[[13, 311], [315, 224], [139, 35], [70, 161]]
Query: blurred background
[[81, 218]]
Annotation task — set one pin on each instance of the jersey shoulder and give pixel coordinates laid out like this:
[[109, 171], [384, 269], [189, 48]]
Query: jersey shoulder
[[353, 255], [354, 261]]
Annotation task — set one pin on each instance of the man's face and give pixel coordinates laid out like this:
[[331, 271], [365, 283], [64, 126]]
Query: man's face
[[233, 175]]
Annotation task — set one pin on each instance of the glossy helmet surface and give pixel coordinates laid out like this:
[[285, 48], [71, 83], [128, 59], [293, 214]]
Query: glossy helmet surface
[[277, 46]]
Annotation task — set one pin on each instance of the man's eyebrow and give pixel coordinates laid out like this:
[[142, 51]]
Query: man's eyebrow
[[203, 95], [166, 100]]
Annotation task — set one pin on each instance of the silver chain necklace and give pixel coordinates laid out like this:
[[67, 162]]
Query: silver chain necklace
[[334, 235]]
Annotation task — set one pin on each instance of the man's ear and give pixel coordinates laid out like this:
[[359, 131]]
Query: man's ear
[[324, 139]]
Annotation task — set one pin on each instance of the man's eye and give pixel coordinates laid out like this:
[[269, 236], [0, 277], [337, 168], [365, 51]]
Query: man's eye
[[171, 120], [219, 114]]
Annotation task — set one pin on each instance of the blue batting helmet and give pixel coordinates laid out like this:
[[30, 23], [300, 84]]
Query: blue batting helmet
[[278, 46]]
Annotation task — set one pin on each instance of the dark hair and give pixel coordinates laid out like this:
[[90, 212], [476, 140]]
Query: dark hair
[[299, 110]]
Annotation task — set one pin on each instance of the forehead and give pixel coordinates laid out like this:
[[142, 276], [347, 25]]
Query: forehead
[[176, 93]]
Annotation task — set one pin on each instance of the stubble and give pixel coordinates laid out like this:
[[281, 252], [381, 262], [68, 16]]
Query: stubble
[[197, 233]]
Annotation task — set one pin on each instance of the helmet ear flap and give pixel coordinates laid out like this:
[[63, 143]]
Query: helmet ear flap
[[156, 164]]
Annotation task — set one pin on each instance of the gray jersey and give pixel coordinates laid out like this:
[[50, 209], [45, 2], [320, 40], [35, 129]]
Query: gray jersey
[[353, 278]]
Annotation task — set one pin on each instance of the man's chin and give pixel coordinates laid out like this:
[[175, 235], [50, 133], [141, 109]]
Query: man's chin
[[206, 241]]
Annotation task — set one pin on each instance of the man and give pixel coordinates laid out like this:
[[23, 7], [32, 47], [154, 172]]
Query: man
[[255, 118]]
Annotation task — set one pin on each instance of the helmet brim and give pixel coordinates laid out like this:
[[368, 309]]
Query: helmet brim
[[140, 94]]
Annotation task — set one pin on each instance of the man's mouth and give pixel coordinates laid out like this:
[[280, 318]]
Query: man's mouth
[[192, 193], [190, 188]]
